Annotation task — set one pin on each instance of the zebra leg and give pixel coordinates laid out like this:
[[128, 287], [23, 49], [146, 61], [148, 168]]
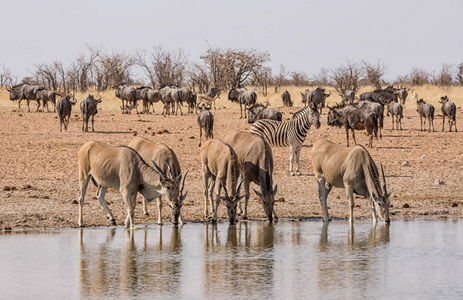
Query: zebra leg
[[291, 159], [298, 155]]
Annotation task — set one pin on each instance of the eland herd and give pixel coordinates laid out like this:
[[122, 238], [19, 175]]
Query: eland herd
[[154, 171]]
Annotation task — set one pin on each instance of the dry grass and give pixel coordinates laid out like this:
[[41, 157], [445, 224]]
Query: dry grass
[[431, 94]]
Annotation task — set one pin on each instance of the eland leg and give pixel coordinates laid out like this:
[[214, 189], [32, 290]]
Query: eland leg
[[101, 195]]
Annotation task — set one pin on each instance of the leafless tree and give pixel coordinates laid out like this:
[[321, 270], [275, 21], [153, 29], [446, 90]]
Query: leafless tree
[[374, 73], [232, 68], [163, 67], [299, 79], [263, 79], [459, 73], [112, 70], [348, 77], [444, 77], [419, 76], [198, 78], [6, 76], [322, 78], [281, 78]]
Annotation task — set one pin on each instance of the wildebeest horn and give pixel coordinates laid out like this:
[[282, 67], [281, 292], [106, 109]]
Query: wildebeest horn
[[384, 180], [163, 176], [327, 95]]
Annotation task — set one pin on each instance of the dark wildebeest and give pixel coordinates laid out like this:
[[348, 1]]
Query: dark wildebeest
[[348, 97], [286, 98], [88, 108], [260, 112], [354, 119], [449, 110], [377, 108], [243, 97], [425, 111], [45, 96], [141, 93], [64, 108], [213, 93], [25, 92], [172, 97], [151, 96], [316, 97], [127, 94], [396, 111], [401, 94], [187, 96], [352, 169], [206, 121]]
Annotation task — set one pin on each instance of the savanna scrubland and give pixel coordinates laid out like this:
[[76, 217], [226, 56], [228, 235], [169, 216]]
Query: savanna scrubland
[[39, 182]]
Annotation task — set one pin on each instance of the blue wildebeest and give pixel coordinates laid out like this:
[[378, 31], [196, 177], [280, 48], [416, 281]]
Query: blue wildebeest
[[426, 111], [290, 133], [127, 94], [172, 98], [205, 121], [286, 98], [376, 107], [64, 108], [141, 95], [352, 169], [449, 110], [354, 119], [123, 169], [167, 160], [396, 111], [256, 165], [220, 164], [348, 97], [259, 112], [317, 97], [47, 96], [25, 92], [401, 94], [243, 97], [187, 96], [88, 108], [213, 93], [383, 96]]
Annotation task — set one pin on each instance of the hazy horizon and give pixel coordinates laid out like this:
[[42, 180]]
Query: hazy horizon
[[303, 37]]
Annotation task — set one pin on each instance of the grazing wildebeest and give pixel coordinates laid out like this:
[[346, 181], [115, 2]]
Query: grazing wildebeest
[[123, 169], [396, 111], [255, 160], [243, 97], [383, 96], [449, 110], [167, 160], [401, 94], [352, 169], [220, 163], [426, 111], [290, 133], [376, 107], [286, 98], [45, 96], [355, 119], [141, 95], [88, 108], [317, 97], [171, 96], [259, 112], [64, 108], [151, 96], [205, 121], [127, 94], [25, 92], [213, 93], [187, 96], [348, 97]]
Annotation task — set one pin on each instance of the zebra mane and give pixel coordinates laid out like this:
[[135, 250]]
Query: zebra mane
[[300, 112]]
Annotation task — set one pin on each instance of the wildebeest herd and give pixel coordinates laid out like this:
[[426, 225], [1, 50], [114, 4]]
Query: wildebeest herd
[[154, 171]]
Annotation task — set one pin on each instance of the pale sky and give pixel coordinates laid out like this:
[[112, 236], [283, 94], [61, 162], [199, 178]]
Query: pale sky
[[304, 36]]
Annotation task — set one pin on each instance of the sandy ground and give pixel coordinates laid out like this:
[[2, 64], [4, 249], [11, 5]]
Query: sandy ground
[[39, 182]]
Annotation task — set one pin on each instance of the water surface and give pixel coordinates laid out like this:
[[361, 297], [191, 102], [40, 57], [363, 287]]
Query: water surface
[[287, 260]]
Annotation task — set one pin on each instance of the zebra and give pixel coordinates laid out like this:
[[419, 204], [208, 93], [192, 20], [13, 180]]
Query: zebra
[[290, 133]]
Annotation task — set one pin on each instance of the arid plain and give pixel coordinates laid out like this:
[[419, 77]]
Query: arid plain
[[39, 183]]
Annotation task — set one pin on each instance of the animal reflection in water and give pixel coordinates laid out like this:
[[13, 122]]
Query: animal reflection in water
[[224, 271], [112, 270]]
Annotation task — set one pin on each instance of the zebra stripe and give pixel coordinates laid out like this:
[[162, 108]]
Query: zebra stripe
[[300, 112], [283, 134]]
